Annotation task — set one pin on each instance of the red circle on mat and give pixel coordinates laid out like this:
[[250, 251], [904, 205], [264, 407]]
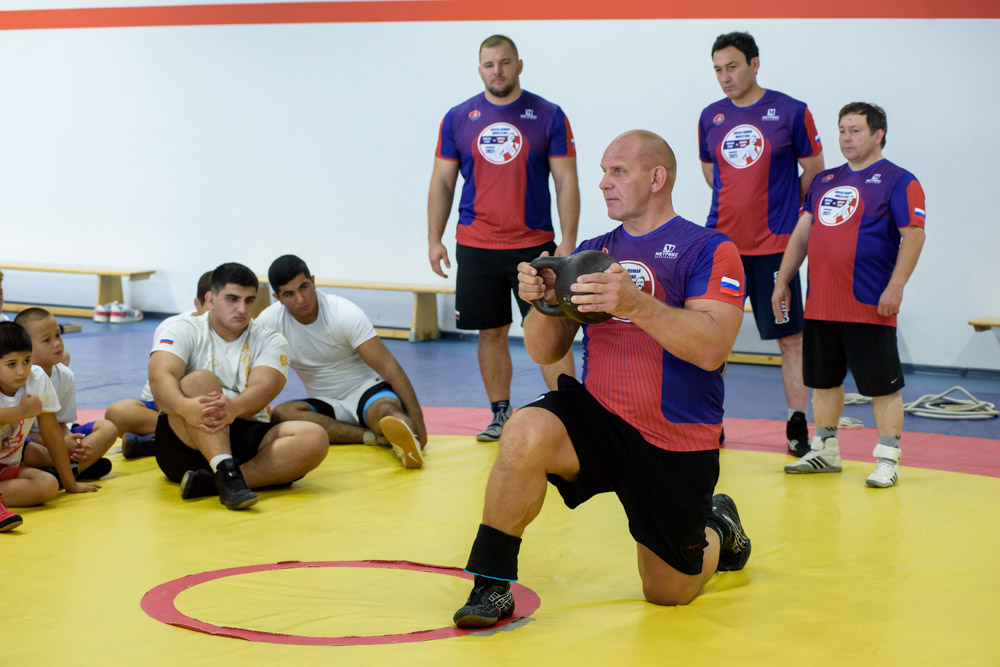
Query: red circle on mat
[[159, 603]]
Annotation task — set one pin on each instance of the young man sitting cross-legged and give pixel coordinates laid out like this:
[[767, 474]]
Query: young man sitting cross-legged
[[213, 377], [357, 390]]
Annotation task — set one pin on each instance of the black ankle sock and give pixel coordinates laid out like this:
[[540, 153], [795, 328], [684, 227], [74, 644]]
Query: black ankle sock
[[720, 527], [494, 554]]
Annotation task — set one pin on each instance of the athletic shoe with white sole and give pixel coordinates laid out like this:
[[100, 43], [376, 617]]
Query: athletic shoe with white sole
[[824, 456], [886, 467], [102, 312], [373, 439], [489, 603], [120, 313], [493, 431], [404, 441]]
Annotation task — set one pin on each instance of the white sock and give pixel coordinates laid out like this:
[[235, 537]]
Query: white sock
[[216, 460]]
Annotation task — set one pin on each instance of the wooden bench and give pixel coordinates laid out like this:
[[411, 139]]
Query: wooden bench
[[109, 285], [424, 323], [985, 323]]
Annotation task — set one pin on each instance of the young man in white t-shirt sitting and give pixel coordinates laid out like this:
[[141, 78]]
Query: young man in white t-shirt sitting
[[357, 390], [213, 377]]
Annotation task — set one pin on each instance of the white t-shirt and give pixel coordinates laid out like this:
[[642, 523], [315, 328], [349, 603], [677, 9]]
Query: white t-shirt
[[64, 383], [147, 392], [324, 353], [12, 435], [196, 343]]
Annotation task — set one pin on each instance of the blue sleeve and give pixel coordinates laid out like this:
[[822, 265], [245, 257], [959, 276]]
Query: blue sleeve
[[446, 140]]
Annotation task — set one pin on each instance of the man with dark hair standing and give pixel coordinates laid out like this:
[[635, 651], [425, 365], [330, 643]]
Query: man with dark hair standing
[[213, 377], [506, 141], [357, 391], [645, 423], [861, 255], [751, 145]]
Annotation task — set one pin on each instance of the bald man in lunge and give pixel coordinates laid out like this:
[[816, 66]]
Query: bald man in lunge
[[646, 421]]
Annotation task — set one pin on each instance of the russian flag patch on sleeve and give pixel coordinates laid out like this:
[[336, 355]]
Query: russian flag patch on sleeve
[[919, 212], [729, 286], [166, 341]]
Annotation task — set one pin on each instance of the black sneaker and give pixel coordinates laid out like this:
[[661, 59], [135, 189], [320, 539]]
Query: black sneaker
[[137, 446], [735, 549], [489, 603], [233, 490], [797, 434], [97, 470], [198, 484]]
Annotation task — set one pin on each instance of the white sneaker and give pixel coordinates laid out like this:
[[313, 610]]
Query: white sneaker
[[886, 467], [824, 456], [102, 312], [373, 439], [404, 441], [120, 313]]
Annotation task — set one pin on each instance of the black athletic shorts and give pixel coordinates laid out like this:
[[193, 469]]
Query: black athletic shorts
[[667, 496], [829, 348], [175, 458], [760, 272], [484, 283]]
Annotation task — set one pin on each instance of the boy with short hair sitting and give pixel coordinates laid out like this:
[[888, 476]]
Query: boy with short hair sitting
[[86, 443], [27, 395]]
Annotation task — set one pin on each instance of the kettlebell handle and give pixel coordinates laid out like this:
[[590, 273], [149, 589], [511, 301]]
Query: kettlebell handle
[[541, 305]]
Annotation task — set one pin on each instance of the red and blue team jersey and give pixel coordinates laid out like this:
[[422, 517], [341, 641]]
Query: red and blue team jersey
[[854, 238], [755, 183], [504, 153], [674, 404]]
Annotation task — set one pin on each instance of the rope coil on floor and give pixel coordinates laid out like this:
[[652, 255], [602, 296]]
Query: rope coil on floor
[[942, 406]]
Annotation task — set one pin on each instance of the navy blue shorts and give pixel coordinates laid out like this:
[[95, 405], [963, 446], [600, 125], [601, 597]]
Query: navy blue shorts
[[667, 495], [484, 283], [760, 272]]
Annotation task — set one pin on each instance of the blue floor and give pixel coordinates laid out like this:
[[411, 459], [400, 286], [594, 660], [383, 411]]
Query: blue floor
[[110, 364]]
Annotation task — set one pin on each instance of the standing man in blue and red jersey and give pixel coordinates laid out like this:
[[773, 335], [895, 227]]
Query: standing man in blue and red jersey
[[646, 421], [506, 141], [870, 232], [752, 143]]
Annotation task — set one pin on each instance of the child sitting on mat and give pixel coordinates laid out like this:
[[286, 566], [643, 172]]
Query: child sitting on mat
[[27, 395], [86, 443]]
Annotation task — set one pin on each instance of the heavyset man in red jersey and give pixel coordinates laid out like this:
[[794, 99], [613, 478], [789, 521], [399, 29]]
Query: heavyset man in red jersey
[[862, 225], [751, 144], [646, 421], [506, 141]]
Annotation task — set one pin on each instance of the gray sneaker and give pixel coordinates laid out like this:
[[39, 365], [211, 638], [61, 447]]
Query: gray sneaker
[[493, 431]]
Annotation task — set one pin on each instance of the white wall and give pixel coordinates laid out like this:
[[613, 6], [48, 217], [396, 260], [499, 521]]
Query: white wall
[[178, 148]]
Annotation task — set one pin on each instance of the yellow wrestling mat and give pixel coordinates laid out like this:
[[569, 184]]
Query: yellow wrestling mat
[[840, 573]]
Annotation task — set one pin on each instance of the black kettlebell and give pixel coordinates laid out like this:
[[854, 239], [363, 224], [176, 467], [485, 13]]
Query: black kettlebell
[[567, 270]]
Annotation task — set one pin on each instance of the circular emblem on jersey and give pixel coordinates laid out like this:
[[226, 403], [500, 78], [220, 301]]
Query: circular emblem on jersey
[[474, 114], [719, 117], [500, 143], [642, 276], [743, 145], [827, 178], [838, 205]]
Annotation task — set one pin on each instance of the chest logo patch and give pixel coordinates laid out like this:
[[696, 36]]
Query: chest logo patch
[[743, 145], [838, 205], [642, 276], [500, 143]]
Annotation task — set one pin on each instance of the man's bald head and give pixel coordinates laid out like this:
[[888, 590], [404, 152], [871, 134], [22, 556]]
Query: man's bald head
[[650, 151]]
